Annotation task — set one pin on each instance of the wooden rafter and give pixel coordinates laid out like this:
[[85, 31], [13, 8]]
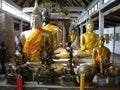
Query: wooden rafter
[[16, 1], [115, 21], [112, 10], [107, 22], [32, 3], [73, 1], [78, 3], [61, 3], [85, 2], [23, 1], [65, 2]]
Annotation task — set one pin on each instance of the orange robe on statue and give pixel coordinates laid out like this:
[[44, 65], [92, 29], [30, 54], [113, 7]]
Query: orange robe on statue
[[32, 45], [104, 56]]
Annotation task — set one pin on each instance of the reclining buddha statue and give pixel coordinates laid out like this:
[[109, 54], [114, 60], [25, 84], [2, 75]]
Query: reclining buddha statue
[[37, 42], [88, 41]]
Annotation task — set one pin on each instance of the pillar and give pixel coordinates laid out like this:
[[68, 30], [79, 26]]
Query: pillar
[[101, 20]]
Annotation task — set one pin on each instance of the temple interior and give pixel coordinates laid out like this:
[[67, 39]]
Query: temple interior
[[59, 44]]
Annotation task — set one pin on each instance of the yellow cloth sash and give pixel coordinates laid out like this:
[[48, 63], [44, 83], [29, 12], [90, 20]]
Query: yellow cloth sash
[[91, 41], [55, 32], [32, 45]]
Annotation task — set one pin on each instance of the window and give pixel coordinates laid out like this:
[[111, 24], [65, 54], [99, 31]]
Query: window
[[96, 7], [105, 1]]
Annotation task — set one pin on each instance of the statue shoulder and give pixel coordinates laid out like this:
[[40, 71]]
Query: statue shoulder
[[46, 32], [24, 35]]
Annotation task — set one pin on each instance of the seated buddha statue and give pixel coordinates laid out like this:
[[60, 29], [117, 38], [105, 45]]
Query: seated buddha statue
[[101, 55], [37, 42], [55, 30], [88, 41], [59, 51]]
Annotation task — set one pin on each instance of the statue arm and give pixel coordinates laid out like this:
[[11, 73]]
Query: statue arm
[[82, 42], [93, 56], [22, 38]]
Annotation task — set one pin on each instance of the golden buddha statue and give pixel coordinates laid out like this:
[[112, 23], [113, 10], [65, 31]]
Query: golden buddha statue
[[101, 55], [55, 30], [72, 36], [59, 51], [88, 40], [37, 42]]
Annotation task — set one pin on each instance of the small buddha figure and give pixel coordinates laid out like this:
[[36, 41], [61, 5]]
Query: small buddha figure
[[88, 40], [37, 42], [101, 55], [73, 36]]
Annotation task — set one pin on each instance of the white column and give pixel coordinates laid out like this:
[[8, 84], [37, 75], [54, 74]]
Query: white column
[[81, 29], [101, 20], [21, 26], [101, 23]]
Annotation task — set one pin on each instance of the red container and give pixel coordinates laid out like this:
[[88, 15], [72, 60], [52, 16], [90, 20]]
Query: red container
[[19, 83]]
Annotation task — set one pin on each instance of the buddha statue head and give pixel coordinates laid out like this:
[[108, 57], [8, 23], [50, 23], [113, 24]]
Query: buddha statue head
[[101, 40], [36, 17], [89, 25]]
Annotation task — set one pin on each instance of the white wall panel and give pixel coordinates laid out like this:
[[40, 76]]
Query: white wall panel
[[117, 40]]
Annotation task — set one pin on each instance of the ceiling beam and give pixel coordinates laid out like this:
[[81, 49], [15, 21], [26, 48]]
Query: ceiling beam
[[115, 17], [16, 1], [113, 20], [70, 9], [32, 3], [74, 1], [27, 9], [75, 8], [112, 10], [25, 3], [88, 1], [75, 15], [61, 2], [79, 3], [69, 2], [65, 2], [85, 2], [109, 23]]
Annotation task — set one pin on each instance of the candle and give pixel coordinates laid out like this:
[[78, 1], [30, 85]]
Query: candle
[[19, 83], [82, 81]]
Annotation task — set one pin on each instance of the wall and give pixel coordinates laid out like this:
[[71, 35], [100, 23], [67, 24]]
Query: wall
[[7, 33], [109, 38], [117, 40]]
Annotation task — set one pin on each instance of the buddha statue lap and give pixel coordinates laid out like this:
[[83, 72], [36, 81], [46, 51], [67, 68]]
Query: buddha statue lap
[[37, 42], [88, 41]]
